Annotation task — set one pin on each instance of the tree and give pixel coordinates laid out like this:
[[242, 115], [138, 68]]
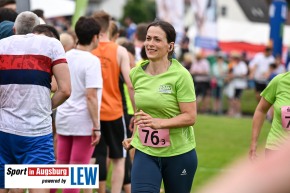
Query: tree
[[140, 10]]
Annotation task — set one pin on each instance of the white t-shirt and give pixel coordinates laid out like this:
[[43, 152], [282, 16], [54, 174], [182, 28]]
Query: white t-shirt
[[262, 63], [240, 69], [200, 70], [73, 117], [138, 54]]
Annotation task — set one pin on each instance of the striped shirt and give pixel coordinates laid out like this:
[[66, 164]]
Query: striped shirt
[[26, 63]]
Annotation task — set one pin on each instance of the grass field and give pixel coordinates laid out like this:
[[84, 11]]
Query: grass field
[[220, 141]]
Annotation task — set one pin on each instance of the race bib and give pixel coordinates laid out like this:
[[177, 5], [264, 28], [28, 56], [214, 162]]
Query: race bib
[[154, 138], [285, 117]]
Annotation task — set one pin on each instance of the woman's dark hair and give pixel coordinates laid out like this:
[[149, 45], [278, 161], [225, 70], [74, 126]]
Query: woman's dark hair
[[143, 53], [86, 28], [47, 30], [169, 31]]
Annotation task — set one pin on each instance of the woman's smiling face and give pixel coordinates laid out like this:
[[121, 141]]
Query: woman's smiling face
[[156, 43]]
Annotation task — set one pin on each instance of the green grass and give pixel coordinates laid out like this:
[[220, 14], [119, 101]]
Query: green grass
[[220, 141]]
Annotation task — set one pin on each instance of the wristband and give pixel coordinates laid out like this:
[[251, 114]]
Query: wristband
[[96, 129]]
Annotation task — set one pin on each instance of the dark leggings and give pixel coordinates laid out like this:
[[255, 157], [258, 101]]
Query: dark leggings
[[177, 172]]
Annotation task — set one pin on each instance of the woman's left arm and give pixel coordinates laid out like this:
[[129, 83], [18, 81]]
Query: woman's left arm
[[187, 117]]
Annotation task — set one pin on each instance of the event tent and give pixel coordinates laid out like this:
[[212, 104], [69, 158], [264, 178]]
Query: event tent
[[54, 8]]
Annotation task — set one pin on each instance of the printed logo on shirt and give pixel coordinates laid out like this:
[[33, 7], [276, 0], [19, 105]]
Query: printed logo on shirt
[[165, 89]]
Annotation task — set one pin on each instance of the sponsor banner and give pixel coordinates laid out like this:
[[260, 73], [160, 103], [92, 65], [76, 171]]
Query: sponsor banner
[[172, 11], [205, 22], [52, 176], [278, 14], [208, 43]]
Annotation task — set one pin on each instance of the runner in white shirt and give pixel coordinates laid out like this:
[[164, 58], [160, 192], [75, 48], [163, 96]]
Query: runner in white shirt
[[78, 120], [259, 66]]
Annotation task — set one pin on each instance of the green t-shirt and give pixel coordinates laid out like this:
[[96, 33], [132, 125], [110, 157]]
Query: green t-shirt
[[277, 93], [159, 96]]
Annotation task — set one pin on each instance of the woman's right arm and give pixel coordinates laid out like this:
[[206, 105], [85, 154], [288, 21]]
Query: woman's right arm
[[258, 120]]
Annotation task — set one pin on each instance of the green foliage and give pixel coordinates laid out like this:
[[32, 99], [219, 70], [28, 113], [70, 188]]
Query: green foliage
[[140, 10]]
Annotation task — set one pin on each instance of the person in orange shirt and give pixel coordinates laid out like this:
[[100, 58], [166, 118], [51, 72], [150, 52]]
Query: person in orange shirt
[[114, 62]]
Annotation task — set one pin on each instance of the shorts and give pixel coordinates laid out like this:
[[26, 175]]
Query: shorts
[[15, 149], [238, 93], [113, 134], [202, 88], [177, 172], [100, 154], [217, 92], [259, 87]]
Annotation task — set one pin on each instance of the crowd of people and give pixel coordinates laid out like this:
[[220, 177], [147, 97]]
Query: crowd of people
[[94, 94], [227, 75]]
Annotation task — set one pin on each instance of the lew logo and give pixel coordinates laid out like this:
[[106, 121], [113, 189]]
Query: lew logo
[[84, 176], [165, 89]]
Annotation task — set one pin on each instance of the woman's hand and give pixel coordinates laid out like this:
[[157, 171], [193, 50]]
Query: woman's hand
[[96, 136], [127, 143], [253, 152], [145, 120]]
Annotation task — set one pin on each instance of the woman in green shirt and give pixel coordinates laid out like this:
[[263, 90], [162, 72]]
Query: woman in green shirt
[[276, 94], [166, 112]]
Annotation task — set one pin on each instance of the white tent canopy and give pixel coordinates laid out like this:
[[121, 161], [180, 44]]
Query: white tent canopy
[[54, 8], [231, 31], [254, 33]]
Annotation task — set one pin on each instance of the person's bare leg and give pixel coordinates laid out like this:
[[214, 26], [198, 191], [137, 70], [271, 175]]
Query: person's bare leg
[[207, 102], [235, 106], [216, 106], [16, 190], [3, 191], [92, 161], [102, 187], [88, 190], [118, 172], [39, 190], [127, 188], [132, 153], [231, 107]]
